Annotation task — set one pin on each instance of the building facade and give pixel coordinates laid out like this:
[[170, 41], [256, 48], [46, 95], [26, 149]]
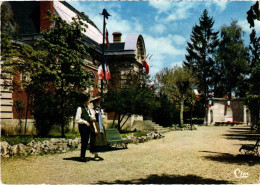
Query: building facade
[[29, 15]]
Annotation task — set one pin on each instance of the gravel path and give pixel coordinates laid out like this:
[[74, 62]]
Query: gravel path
[[207, 155]]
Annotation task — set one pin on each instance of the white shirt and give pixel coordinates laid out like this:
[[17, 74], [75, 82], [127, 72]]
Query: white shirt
[[78, 118]]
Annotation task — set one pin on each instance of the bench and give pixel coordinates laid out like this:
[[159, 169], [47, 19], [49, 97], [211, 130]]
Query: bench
[[250, 148], [114, 138]]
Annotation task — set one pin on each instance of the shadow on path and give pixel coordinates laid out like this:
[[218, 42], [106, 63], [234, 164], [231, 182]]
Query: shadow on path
[[242, 133], [109, 149], [169, 179], [78, 159], [227, 158]]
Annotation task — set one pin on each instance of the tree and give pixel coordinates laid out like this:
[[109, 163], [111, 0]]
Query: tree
[[135, 98], [55, 70], [166, 114], [252, 98], [201, 53], [201, 50], [175, 84], [231, 59]]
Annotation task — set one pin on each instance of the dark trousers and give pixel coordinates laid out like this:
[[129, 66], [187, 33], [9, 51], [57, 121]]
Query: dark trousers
[[84, 131]]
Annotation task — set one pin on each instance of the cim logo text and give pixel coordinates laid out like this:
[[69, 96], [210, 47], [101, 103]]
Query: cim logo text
[[240, 174]]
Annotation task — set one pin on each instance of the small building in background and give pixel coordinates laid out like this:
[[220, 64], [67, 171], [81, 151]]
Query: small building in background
[[222, 111]]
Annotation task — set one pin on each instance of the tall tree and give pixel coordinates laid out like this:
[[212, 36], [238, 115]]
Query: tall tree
[[252, 99], [231, 59], [201, 50], [175, 83], [200, 57]]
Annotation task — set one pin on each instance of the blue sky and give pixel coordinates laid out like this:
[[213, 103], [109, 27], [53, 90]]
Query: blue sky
[[165, 25]]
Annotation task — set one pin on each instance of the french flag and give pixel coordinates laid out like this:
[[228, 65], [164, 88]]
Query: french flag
[[101, 74], [196, 92], [146, 64]]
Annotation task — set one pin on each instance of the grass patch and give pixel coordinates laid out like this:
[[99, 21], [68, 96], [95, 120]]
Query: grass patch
[[13, 140], [126, 133]]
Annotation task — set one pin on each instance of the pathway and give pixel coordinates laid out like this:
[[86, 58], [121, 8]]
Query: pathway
[[206, 155]]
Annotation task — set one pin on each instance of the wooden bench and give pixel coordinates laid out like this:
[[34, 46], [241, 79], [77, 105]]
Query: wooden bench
[[114, 138], [250, 148]]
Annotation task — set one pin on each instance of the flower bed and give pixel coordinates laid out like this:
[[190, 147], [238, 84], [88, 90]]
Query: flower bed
[[228, 123]]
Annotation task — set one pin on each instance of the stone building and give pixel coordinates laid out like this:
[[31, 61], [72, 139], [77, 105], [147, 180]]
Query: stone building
[[219, 111], [29, 15]]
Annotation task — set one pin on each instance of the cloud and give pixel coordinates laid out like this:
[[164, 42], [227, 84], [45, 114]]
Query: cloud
[[172, 11], [163, 45], [219, 5], [178, 39], [163, 50], [114, 23], [158, 28], [245, 26], [162, 6]]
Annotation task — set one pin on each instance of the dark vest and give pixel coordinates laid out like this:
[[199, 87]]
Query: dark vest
[[84, 114]]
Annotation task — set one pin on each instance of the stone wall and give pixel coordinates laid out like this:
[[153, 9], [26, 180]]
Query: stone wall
[[36, 148], [59, 145]]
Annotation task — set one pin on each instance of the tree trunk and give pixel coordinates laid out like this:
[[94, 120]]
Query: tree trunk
[[118, 122], [125, 121], [73, 124], [181, 111], [62, 111], [26, 113]]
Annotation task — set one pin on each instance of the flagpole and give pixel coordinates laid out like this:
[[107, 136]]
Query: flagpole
[[103, 55]]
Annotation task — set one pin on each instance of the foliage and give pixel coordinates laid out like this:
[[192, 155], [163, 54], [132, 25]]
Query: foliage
[[176, 83], [231, 60], [201, 51], [55, 71], [135, 98], [252, 99], [14, 140], [166, 114], [253, 14], [135, 133]]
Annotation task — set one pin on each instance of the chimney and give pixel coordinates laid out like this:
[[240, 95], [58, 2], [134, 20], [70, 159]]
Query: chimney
[[117, 37], [44, 7]]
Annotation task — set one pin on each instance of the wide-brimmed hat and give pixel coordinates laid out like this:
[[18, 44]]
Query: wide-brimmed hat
[[95, 99]]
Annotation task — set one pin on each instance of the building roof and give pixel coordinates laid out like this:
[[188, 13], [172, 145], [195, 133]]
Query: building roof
[[68, 12], [131, 41], [27, 15]]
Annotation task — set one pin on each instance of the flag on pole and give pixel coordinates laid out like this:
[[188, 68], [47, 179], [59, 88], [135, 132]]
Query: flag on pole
[[107, 41], [101, 74], [146, 64], [105, 13], [196, 92], [107, 71]]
